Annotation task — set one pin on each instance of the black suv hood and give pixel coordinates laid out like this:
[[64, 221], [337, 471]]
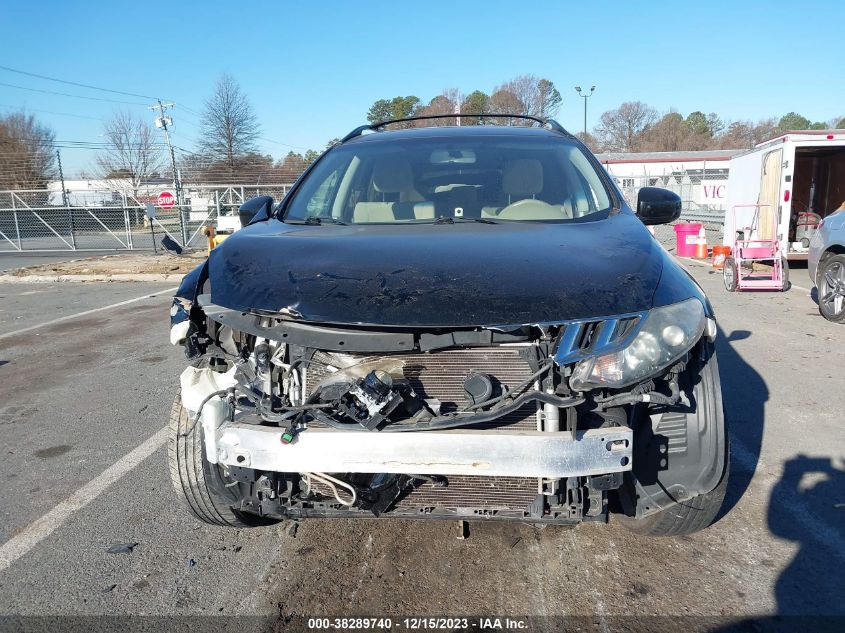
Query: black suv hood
[[466, 274]]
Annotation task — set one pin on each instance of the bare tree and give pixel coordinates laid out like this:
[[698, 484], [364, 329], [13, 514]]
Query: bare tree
[[534, 96], [503, 101], [230, 128], [448, 102], [589, 140], [621, 130], [27, 158], [133, 156], [673, 133], [745, 134]]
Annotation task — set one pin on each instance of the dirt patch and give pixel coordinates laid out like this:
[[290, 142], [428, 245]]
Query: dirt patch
[[120, 264]]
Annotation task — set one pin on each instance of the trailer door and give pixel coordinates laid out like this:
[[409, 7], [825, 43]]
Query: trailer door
[[769, 198]]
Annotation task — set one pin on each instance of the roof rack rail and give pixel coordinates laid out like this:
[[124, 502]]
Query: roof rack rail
[[358, 131], [375, 127]]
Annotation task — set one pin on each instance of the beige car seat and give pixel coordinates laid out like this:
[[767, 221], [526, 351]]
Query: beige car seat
[[393, 174], [522, 179]]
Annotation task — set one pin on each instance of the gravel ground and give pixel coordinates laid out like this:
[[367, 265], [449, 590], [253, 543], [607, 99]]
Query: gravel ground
[[76, 397]]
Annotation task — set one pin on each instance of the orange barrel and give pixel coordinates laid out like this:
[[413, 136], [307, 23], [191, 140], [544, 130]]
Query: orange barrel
[[720, 252]]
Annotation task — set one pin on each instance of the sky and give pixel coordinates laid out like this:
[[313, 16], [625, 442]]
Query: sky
[[312, 69]]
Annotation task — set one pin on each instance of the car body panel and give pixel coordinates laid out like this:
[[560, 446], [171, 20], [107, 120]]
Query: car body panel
[[425, 275]]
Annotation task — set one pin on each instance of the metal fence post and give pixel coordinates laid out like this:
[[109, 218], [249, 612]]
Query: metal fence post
[[127, 222], [182, 225], [66, 203], [17, 227]]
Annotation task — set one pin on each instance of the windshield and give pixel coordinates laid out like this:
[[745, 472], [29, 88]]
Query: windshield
[[483, 178]]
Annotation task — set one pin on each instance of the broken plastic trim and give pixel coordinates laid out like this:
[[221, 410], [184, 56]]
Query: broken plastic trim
[[350, 340]]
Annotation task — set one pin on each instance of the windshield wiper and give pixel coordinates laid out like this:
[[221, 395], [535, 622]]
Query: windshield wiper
[[447, 220], [317, 221]]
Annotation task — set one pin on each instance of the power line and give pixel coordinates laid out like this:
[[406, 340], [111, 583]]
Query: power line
[[74, 83], [65, 94], [26, 109]]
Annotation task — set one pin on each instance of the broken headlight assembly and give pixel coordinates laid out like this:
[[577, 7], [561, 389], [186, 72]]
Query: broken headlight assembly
[[666, 334]]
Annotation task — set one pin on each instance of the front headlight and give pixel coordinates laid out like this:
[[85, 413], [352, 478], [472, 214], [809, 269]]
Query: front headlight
[[666, 334]]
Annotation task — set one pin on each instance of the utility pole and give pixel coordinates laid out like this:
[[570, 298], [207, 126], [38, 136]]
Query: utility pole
[[585, 96], [162, 121], [65, 201]]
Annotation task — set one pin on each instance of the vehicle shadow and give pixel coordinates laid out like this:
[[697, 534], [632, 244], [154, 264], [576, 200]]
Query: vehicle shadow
[[807, 507], [744, 395]]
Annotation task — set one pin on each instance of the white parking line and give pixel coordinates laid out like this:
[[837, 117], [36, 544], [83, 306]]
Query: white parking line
[[87, 312], [41, 528]]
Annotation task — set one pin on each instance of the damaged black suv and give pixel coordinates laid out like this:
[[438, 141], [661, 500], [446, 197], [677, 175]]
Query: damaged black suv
[[461, 322]]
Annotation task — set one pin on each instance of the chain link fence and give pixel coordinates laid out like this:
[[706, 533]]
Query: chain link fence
[[47, 220]]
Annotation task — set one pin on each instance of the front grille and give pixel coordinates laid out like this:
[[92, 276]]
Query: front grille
[[580, 339], [440, 375]]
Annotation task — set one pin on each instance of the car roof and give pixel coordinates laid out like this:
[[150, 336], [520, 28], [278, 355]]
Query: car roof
[[454, 131]]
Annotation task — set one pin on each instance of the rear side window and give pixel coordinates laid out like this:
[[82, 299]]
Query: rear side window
[[420, 180]]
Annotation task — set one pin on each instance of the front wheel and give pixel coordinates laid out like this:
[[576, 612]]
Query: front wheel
[[687, 516], [202, 486], [785, 274], [730, 274], [709, 464], [831, 285]]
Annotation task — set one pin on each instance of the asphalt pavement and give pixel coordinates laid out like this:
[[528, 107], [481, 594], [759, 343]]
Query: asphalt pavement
[[83, 402]]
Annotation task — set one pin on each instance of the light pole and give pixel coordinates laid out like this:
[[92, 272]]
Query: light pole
[[586, 95]]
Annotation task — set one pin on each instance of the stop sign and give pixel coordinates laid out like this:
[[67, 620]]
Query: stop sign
[[166, 199]]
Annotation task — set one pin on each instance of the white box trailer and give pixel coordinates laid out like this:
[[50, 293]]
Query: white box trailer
[[799, 176]]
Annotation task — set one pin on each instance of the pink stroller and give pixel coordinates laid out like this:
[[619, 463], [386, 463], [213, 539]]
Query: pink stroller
[[757, 242]]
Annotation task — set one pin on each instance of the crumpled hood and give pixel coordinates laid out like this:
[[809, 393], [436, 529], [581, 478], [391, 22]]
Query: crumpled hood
[[440, 275]]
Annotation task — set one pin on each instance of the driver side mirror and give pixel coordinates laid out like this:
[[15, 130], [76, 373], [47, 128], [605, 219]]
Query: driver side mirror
[[658, 206], [255, 209]]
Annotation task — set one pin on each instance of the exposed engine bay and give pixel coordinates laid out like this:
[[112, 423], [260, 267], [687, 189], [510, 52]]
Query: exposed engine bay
[[497, 423]]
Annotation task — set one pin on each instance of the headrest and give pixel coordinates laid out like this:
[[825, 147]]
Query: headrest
[[523, 177], [392, 174]]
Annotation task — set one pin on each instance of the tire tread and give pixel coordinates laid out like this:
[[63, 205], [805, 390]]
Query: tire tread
[[188, 474]]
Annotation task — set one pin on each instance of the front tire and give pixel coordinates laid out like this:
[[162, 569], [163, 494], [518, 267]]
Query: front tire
[[831, 287], [730, 274], [687, 516], [785, 274], [696, 513], [199, 484]]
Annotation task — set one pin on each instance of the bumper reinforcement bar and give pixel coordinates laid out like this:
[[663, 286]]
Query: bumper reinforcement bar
[[459, 452]]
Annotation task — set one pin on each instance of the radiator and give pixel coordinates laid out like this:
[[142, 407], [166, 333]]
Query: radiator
[[440, 375]]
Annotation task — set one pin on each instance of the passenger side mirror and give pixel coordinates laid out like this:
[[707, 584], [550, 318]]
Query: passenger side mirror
[[257, 208], [658, 206]]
